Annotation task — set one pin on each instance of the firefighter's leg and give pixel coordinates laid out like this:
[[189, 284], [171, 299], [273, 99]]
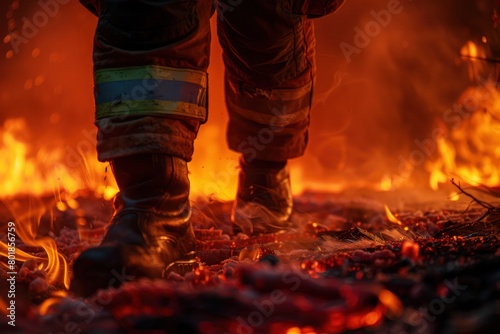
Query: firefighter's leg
[[269, 57], [150, 61]]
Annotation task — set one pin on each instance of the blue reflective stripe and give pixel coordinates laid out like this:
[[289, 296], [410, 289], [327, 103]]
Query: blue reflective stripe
[[150, 89]]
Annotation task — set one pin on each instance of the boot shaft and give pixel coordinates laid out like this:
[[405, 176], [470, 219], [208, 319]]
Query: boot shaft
[[155, 183]]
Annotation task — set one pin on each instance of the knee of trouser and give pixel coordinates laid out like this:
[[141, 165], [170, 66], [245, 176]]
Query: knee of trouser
[[277, 106], [264, 45], [144, 25]]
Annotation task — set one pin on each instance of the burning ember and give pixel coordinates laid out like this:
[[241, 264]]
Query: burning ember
[[381, 241], [385, 273]]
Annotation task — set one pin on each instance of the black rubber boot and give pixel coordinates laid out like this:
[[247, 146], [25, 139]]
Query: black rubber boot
[[150, 233], [264, 198]]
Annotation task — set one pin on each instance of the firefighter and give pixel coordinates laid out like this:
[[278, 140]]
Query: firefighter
[[151, 87]]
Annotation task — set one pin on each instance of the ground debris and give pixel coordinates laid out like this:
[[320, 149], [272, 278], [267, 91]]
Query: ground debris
[[339, 269]]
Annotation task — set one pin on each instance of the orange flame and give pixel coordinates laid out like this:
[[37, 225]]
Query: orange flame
[[473, 53], [390, 216], [39, 173], [24, 171], [391, 302], [55, 298], [469, 50], [27, 223], [471, 148]]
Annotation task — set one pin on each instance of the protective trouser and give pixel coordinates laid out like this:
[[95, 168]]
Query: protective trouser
[[151, 85]]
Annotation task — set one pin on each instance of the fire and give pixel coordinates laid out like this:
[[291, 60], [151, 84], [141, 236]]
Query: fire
[[475, 55], [27, 223], [20, 255], [454, 196], [26, 170], [390, 216], [386, 183], [470, 149], [42, 172], [469, 50], [391, 302], [410, 250], [55, 298]]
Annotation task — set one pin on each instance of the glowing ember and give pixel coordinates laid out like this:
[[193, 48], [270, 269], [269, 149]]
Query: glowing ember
[[391, 301], [410, 250], [294, 330]]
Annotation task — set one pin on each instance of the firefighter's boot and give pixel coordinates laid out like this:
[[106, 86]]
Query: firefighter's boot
[[264, 199], [150, 233]]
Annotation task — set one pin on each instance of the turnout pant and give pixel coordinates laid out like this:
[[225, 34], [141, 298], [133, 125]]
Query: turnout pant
[[151, 86]]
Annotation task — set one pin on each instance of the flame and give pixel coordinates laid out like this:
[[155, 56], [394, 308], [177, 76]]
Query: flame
[[454, 196], [42, 172], [386, 183], [391, 301], [473, 53], [390, 216], [469, 50], [26, 229], [37, 173], [470, 150], [55, 298], [20, 255]]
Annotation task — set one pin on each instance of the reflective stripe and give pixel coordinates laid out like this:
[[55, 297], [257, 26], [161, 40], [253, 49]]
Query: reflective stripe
[[154, 71], [277, 107], [272, 120], [150, 108], [154, 89], [150, 90], [286, 94], [290, 94]]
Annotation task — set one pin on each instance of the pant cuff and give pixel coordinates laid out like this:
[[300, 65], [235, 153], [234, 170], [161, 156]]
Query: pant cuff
[[119, 137]]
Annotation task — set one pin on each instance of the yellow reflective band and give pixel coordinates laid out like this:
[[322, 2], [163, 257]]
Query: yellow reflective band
[[152, 71], [150, 107], [150, 90]]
